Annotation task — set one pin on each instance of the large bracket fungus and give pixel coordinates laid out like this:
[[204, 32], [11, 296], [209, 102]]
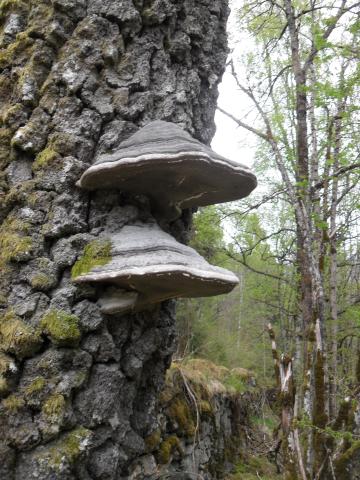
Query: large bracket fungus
[[148, 266], [165, 163]]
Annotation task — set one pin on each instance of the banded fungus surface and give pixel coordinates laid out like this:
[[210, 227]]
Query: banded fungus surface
[[147, 266], [165, 163]]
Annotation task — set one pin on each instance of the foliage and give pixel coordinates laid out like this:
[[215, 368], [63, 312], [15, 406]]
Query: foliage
[[96, 253]]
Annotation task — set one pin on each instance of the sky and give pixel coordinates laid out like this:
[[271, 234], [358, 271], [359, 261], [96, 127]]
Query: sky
[[230, 140]]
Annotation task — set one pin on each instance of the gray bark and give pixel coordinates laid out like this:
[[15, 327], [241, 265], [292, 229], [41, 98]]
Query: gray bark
[[78, 77]]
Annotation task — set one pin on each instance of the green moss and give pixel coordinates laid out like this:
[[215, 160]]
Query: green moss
[[5, 140], [253, 468], [22, 44], [46, 158], [6, 366], [96, 253], [17, 337], [12, 114], [15, 245], [234, 382], [19, 194], [41, 281], [13, 403], [205, 407], [6, 5], [54, 407], [36, 386], [68, 450], [343, 463], [180, 411], [167, 448], [153, 440], [62, 327], [4, 387]]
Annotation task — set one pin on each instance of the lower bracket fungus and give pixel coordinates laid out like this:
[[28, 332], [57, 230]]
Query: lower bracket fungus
[[148, 266]]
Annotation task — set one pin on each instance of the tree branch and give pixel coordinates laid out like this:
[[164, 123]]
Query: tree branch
[[245, 125]]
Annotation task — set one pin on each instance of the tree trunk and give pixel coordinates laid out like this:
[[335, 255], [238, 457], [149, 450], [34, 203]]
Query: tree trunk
[[77, 78]]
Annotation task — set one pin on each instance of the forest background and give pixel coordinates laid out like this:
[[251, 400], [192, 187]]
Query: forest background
[[295, 242]]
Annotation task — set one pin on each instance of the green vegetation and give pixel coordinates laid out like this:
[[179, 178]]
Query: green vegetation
[[68, 449], [17, 337], [36, 386], [54, 407], [13, 403], [15, 244], [46, 158], [61, 327], [41, 281], [22, 45], [6, 364], [96, 253], [152, 441], [343, 464], [167, 448], [180, 411], [255, 468]]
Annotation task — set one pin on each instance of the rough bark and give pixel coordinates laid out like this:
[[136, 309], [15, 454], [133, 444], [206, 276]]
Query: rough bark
[[77, 77]]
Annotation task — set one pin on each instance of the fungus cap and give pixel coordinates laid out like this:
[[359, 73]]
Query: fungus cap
[[146, 260], [164, 162]]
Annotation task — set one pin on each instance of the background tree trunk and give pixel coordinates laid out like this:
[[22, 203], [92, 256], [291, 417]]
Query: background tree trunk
[[77, 78]]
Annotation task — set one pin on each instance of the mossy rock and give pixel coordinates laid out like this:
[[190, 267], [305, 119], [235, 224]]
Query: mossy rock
[[167, 448], [152, 441], [343, 464], [7, 370], [41, 281], [13, 403], [20, 49], [96, 254], [54, 408], [181, 413], [35, 387], [62, 328], [15, 244], [45, 159], [17, 337], [253, 468], [67, 451]]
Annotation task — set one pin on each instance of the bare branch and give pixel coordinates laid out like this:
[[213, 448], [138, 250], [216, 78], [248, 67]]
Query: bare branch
[[245, 125], [336, 174]]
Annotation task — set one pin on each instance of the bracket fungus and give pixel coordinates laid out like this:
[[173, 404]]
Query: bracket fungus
[[148, 266], [165, 163]]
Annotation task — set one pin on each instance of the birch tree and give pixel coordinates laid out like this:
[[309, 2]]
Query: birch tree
[[302, 79]]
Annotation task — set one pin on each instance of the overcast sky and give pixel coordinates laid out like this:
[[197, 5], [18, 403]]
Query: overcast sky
[[231, 141]]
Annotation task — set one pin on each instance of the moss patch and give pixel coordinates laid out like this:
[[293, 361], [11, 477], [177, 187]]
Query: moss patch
[[41, 281], [96, 254], [167, 448], [343, 464], [180, 411], [61, 327], [68, 450], [54, 407], [22, 45], [13, 403], [4, 387], [15, 244], [153, 440], [46, 158], [7, 366], [17, 337], [36, 386]]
